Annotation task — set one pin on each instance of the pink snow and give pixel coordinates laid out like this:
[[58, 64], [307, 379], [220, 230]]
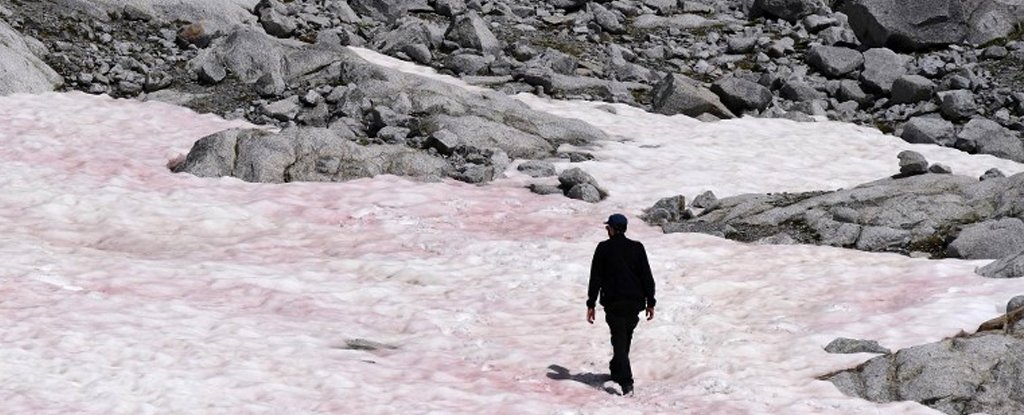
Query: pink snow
[[129, 289]]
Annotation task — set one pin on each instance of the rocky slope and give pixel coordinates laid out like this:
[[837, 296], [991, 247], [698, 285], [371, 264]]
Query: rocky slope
[[927, 70]]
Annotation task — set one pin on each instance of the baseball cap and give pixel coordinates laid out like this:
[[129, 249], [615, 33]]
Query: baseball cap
[[616, 220]]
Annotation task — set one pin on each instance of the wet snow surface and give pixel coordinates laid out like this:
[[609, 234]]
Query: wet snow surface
[[128, 289]]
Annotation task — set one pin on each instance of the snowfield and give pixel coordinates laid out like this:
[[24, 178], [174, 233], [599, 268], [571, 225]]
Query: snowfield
[[127, 289]]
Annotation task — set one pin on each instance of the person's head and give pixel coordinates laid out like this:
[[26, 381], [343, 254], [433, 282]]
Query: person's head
[[616, 224]]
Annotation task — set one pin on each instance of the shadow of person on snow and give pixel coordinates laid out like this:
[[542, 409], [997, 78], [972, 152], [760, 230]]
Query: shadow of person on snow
[[594, 380]]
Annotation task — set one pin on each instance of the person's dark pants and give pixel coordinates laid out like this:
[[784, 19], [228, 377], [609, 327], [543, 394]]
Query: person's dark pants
[[621, 323]]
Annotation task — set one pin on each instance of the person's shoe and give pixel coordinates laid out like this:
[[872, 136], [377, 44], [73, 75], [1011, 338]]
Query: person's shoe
[[627, 390]]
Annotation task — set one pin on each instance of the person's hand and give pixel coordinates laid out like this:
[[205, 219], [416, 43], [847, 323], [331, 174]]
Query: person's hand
[[650, 313], [590, 315]]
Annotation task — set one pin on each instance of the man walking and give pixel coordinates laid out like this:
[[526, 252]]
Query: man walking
[[621, 275]]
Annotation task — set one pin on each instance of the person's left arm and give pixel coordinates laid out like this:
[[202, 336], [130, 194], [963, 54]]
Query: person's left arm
[[647, 281]]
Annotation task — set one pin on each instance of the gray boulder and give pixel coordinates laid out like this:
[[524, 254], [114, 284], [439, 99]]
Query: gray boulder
[[537, 168], [741, 95], [939, 168], [988, 137], [800, 91], [922, 24], [677, 94], [471, 31], [835, 61], [585, 192], [211, 72], [992, 239], [274, 19], [882, 239], [481, 133], [958, 104], [906, 25], [843, 345], [1008, 267], [912, 163], [815, 23], [976, 373], [911, 89], [409, 31], [284, 109], [578, 184], [667, 210], [1015, 304], [302, 154], [839, 36], [882, 67], [545, 189], [791, 10], [246, 53], [584, 87], [449, 8], [575, 176], [850, 90], [23, 71], [991, 174], [387, 10], [705, 200], [608, 20]]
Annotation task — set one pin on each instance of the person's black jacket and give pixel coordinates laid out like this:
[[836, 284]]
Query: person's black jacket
[[621, 274]]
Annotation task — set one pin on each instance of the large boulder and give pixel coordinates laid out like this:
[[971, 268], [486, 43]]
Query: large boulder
[[923, 24], [911, 89], [481, 133], [908, 24], [988, 137], [1008, 267], [246, 53], [791, 10], [741, 95], [929, 130], [992, 239], [882, 67], [977, 373], [677, 94], [471, 31], [21, 70], [388, 10], [302, 154], [958, 104], [835, 61]]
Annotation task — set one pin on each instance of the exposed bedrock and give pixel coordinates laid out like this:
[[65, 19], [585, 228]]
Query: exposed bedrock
[[961, 375], [917, 211], [376, 120]]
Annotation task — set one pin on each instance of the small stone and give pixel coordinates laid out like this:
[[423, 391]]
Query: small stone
[[443, 141], [844, 345], [705, 200], [212, 72], [939, 168], [545, 189], [995, 52], [1015, 303], [585, 192], [912, 163], [312, 98], [992, 174], [537, 168]]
